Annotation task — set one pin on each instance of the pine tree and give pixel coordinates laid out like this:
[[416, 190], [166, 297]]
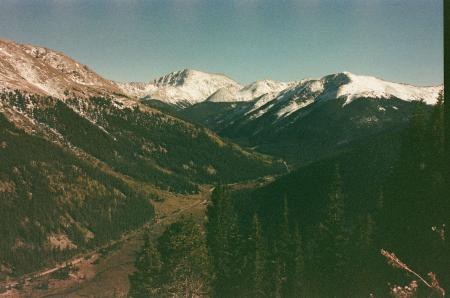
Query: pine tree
[[439, 192], [276, 276], [284, 248], [437, 131], [223, 243], [297, 276], [258, 260], [333, 242], [439, 205], [413, 199], [365, 257], [184, 255], [417, 194], [405, 189], [366, 233], [145, 281]]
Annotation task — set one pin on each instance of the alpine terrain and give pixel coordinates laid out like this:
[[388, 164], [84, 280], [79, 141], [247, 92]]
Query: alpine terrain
[[196, 185]]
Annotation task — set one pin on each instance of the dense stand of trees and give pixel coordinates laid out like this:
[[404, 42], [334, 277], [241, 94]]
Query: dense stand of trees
[[44, 191], [174, 265], [416, 209], [148, 146], [74, 167], [258, 252]]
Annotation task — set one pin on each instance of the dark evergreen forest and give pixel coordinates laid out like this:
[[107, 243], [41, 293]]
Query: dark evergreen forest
[[319, 231]]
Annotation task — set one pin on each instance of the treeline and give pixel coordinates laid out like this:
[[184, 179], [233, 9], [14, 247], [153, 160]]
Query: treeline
[[260, 249]]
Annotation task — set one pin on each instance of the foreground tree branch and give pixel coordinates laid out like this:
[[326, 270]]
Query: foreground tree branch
[[396, 263]]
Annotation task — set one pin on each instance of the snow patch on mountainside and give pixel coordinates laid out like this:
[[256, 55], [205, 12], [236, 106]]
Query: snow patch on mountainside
[[263, 100], [73, 70], [292, 107], [248, 92], [301, 95], [33, 75], [260, 112], [351, 87], [42, 71], [136, 89]]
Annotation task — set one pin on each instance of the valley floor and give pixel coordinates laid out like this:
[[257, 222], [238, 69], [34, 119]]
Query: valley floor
[[104, 272]]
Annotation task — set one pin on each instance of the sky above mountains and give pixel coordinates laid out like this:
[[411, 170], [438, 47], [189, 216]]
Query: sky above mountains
[[137, 40]]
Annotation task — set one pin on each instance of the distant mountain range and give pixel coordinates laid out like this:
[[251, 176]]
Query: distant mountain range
[[313, 118], [43, 71], [300, 121]]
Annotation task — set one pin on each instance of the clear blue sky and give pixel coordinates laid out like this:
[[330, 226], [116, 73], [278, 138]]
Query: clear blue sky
[[137, 40]]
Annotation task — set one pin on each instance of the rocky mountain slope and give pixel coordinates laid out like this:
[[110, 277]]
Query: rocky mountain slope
[[39, 70], [43, 71]]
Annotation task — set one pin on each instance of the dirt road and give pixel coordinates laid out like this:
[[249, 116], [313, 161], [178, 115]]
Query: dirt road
[[106, 274]]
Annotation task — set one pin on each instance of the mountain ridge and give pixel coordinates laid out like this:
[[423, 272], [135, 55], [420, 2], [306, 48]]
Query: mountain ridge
[[40, 70], [314, 117]]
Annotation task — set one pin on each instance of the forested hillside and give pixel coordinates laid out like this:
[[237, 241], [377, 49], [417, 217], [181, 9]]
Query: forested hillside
[[326, 229], [53, 204], [75, 173], [350, 207]]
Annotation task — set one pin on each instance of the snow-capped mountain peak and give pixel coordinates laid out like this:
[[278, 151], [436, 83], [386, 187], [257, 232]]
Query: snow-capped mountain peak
[[35, 69], [372, 87], [343, 85], [190, 76], [184, 87]]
